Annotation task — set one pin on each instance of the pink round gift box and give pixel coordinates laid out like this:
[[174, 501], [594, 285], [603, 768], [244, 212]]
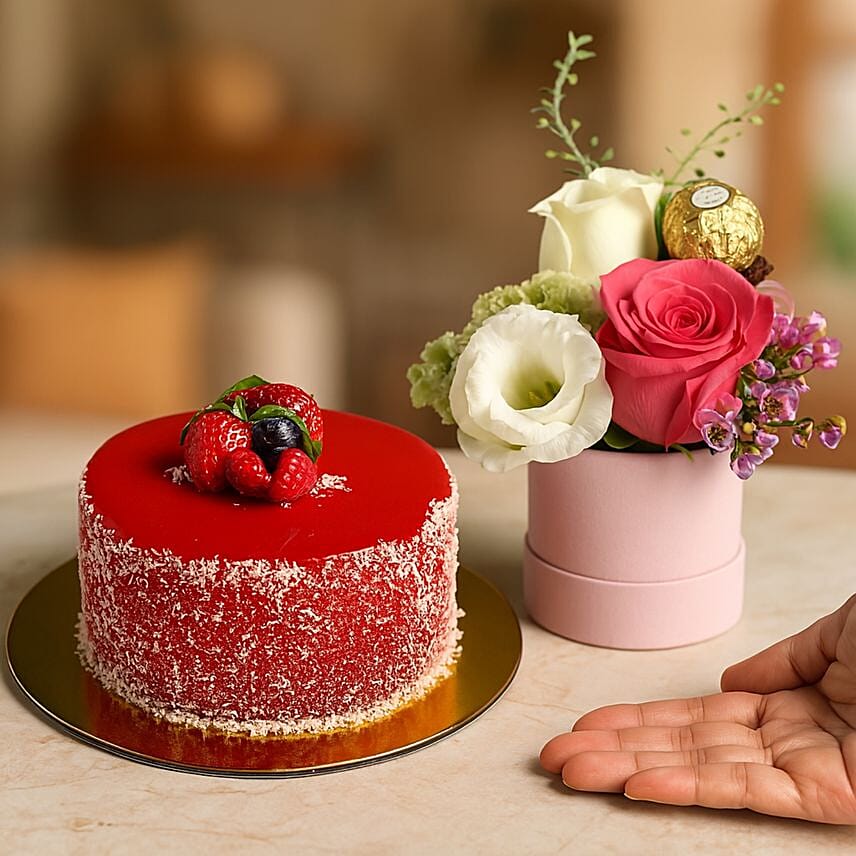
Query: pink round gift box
[[635, 550]]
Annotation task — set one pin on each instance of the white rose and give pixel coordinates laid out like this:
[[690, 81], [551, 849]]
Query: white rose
[[594, 224], [529, 386]]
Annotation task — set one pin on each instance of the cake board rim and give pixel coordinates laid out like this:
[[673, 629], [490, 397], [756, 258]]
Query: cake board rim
[[40, 647]]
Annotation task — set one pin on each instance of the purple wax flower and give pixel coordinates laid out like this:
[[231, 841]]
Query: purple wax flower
[[716, 423], [763, 369], [802, 432], [780, 322], [825, 352], [802, 360], [798, 384], [831, 430], [717, 430], [831, 437], [744, 465], [758, 390], [765, 440], [785, 332], [779, 403], [811, 326]]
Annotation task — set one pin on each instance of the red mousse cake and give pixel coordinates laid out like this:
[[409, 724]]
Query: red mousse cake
[[219, 609]]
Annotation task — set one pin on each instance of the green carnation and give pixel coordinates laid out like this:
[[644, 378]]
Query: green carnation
[[566, 294], [431, 379]]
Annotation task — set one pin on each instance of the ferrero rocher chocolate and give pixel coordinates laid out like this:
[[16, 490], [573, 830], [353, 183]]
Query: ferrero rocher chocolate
[[709, 219]]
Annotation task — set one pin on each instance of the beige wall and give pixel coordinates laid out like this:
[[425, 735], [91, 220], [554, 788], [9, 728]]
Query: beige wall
[[681, 59]]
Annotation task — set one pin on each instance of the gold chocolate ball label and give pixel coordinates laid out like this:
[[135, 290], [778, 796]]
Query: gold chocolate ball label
[[709, 219]]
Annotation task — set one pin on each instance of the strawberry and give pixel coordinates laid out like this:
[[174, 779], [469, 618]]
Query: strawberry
[[246, 472], [295, 475], [284, 395], [209, 440]]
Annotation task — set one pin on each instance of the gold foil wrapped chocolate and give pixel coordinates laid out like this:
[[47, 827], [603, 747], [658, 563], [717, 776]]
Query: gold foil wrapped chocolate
[[709, 219]]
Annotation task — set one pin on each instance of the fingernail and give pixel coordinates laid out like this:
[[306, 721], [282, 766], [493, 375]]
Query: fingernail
[[643, 799]]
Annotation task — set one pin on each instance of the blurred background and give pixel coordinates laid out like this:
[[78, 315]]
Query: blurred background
[[196, 190]]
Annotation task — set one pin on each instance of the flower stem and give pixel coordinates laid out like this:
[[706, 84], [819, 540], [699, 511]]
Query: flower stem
[[757, 98], [560, 129], [551, 106]]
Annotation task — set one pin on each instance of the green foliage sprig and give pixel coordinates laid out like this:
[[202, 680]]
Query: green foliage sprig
[[720, 134], [551, 107]]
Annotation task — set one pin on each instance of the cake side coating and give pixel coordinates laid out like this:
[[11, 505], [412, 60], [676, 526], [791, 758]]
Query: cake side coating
[[267, 644]]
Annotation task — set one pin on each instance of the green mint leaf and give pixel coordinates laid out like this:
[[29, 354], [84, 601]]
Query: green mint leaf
[[245, 383], [240, 408], [187, 427], [272, 411]]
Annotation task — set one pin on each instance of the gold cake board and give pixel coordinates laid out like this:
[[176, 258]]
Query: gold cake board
[[42, 656]]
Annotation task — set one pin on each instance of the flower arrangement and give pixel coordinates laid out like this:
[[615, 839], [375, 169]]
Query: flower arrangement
[[651, 325]]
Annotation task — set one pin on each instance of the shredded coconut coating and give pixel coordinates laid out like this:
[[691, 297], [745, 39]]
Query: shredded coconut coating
[[267, 646]]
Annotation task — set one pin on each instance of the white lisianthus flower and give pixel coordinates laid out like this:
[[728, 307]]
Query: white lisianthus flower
[[594, 224], [529, 386]]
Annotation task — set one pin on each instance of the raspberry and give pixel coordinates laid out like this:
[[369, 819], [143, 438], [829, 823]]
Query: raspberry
[[285, 395], [246, 472], [207, 445], [295, 475]]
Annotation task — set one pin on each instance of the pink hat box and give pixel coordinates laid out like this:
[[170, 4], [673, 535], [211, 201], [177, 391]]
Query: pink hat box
[[635, 550]]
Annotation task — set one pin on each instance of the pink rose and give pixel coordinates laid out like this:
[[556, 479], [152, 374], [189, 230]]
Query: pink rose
[[677, 335]]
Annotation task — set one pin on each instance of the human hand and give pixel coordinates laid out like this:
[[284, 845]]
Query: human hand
[[780, 739]]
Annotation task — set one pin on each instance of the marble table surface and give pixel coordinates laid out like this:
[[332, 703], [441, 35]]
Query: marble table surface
[[479, 791]]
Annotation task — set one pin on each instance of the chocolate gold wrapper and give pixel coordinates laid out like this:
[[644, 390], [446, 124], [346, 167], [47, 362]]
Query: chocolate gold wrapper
[[711, 220]]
